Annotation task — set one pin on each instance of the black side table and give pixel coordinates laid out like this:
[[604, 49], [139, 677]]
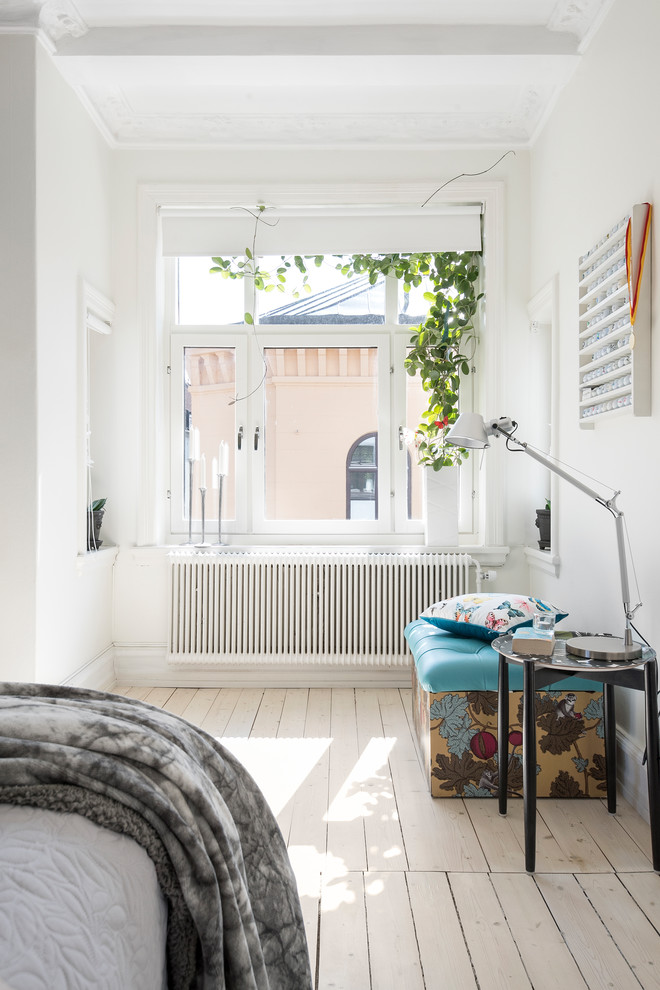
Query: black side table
[[639, 674]]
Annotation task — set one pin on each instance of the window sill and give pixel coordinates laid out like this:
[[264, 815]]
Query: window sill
[[542, 560], [103, 557], [487, 556]]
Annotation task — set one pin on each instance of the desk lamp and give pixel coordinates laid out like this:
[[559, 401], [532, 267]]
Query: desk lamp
[[472, 432]]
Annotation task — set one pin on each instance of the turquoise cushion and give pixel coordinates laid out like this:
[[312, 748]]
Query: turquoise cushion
[[451, 663]]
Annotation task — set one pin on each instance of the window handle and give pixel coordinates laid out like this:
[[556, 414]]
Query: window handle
[[239, 438], [256, 438], [400, 438]]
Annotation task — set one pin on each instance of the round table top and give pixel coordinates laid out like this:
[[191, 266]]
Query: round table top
[[564, 660]]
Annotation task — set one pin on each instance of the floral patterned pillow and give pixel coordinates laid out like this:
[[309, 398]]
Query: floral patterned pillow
[[484, 616]]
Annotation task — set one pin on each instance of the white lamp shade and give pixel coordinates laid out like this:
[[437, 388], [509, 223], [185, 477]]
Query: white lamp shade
[[468, 431]]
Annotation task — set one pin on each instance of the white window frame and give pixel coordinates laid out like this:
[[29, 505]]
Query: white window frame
[[153, 488], [250, 516]]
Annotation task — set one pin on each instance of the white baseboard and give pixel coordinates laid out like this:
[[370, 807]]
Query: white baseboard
[[148, 667], [97, 674], [631, 775]]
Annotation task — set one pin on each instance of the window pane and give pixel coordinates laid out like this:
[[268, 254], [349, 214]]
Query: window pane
[[319, 401], [205, 297], [333, 298], [361, 485], [413, 307], [210, 387], [416, 404]]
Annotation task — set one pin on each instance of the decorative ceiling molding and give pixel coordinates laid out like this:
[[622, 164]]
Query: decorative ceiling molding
[[130, 129], [55, 18], [59, 19], [575, 16]]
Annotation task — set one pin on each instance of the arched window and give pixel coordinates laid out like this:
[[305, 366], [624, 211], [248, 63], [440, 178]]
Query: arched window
[[362, 478]]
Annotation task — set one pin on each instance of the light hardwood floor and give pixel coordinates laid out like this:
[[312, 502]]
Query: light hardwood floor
[[400, 890]]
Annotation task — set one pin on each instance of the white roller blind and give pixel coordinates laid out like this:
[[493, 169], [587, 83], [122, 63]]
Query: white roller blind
[[323, 231]]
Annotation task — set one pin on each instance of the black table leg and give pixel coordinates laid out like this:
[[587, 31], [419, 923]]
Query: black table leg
[[652, 765], [503, 732], [610, 745], [529, 764]]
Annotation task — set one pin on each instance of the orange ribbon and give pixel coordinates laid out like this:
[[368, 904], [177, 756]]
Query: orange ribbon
[[633, 291]]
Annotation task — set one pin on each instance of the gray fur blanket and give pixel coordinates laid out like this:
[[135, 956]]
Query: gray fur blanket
[[220, 838]]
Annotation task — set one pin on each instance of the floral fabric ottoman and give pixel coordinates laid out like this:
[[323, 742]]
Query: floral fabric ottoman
[[455, 718]]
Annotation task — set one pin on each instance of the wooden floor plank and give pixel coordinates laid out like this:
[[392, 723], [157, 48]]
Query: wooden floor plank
[[442, 949], [437, 832], [343, 948], [159, 696], [644, 888], [267, 722], [601, 964], [636, 826], [607, 831], [240, 722], [200, 705], [500, 835], [216, 719], [179, 700], [347, 799], [290, 729], [545, 955], [137, 693], [633, 933], [562, 819], [393, 951], [307, 839], [493, 951], [385, 849]]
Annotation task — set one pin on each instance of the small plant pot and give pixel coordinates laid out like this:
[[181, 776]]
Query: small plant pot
[[94, 520], [543, 525]]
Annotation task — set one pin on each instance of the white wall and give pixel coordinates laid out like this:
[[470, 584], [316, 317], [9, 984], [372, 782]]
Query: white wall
[[18, 400], [73, 592], [598, 155]]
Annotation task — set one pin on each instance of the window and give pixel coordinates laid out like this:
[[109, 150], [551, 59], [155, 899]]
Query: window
[[362, 478], [312, 402]]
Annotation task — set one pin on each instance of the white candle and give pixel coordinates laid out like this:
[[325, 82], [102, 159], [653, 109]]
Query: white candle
[[194, 444], [223, 458], [214, 473], [202, 472]]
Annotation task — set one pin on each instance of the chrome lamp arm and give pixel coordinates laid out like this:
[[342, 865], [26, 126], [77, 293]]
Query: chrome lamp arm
[[471, 431]]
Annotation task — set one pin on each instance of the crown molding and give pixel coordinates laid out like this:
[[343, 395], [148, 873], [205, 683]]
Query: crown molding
[[129, 129], [578, 17], [51, 19]]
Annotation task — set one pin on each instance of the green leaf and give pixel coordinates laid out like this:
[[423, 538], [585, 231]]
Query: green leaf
[[248, 253], [248, 319]]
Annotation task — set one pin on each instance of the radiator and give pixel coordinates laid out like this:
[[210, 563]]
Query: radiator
[[302, 607]]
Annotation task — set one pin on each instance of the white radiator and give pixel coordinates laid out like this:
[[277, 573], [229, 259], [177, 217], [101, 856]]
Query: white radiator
[[302, 607]]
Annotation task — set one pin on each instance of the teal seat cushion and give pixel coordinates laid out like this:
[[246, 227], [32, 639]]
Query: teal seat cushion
[[454, 663]]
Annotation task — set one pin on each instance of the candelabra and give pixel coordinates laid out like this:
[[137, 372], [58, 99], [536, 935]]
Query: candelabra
[[191, 468], [203, 542], [220, 478]]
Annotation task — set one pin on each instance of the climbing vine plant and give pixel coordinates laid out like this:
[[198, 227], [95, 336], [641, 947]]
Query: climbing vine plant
[[441, 348]]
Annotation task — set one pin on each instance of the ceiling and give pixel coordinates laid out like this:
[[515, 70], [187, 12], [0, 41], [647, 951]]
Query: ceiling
[[307, 74]]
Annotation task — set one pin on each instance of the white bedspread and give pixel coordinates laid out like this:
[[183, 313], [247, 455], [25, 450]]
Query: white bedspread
[[80, 906]]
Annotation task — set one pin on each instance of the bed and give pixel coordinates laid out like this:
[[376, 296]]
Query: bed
[[136, 852]]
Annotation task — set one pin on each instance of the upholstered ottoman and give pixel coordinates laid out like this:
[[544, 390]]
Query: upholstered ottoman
[[455, 716]]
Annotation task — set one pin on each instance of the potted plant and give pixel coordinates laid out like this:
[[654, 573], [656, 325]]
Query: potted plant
[[95, 514], [543, 525]]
